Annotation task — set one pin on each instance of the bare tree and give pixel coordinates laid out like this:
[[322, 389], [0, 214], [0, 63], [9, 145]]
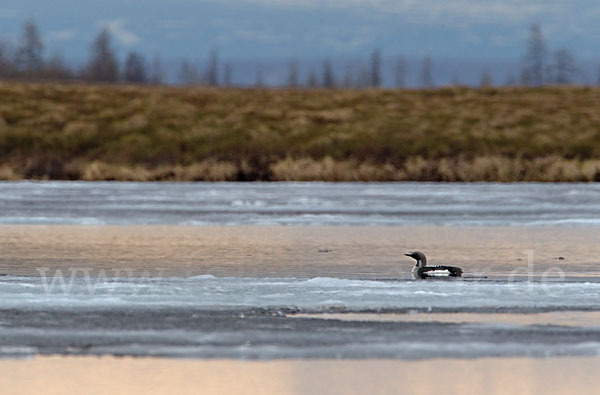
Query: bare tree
[[188, 73], [157, 75], [212, 71], [312, 81], [136, 69], [30, 58], [456, 79], [328, 80], [7, 66], [57, 69], [259, 80], [563, 68], [427, 72], [525, 77], [375, 70], [348, 80], [486, 79], [535, 58], [103, 65], [400, 72], [511, 80], [364, 78], [227, 75], [292, 77]]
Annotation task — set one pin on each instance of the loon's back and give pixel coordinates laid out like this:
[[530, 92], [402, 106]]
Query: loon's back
[[436, 271]]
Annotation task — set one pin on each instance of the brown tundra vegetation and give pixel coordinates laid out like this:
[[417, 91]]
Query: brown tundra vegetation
[[116, 132]]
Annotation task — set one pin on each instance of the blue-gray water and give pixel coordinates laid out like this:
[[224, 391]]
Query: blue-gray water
[[212, 317], [455, 204]]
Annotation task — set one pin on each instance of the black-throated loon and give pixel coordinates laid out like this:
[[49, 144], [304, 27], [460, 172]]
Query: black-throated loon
[[421, 270]]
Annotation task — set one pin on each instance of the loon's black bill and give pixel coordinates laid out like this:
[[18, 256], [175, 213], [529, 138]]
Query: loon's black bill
[[408, 254]]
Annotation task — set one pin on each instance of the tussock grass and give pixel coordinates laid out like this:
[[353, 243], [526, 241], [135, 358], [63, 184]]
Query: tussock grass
[[77, 131], [203, 171]]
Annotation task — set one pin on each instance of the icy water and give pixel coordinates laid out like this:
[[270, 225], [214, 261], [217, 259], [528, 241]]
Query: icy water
[[389, 204], [212, 317], [209, 271]]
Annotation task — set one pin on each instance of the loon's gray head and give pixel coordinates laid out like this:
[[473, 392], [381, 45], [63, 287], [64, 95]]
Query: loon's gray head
[[419, 257]]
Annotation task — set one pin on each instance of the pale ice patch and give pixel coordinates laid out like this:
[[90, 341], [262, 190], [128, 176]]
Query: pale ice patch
[[210, 292]]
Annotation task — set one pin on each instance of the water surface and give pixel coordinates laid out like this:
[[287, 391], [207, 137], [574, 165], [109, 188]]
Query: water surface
[[311, 203], [208, 270]]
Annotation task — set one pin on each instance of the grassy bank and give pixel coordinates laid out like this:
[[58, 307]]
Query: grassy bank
[[165, 133]]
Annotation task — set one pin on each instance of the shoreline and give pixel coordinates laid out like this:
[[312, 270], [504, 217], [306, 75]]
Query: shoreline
[[494, 169]]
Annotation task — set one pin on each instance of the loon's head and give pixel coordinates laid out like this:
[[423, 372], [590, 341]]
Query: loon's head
[[419, 257]]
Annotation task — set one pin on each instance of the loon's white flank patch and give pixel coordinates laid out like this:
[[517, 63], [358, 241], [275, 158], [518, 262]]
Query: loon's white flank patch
[[438, 273]]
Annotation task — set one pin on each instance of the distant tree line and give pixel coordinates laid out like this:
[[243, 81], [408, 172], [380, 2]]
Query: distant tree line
[[26, 61], [542, 67]]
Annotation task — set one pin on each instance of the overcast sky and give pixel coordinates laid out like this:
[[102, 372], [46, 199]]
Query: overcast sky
[[280, 29]]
